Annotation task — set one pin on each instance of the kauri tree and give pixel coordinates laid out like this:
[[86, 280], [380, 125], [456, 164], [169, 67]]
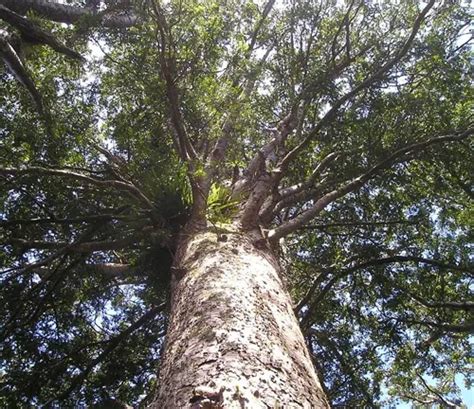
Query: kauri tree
[[229, 204]]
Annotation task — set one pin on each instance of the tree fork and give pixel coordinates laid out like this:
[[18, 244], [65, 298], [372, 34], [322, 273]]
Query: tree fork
[[233, 340]]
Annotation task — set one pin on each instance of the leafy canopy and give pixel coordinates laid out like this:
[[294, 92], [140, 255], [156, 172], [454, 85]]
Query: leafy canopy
[[353, 117]]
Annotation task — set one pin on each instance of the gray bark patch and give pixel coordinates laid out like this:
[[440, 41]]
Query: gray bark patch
[[233, 340]]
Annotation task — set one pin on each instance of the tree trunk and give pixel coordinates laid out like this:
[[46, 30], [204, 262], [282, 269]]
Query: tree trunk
[[233, 340]]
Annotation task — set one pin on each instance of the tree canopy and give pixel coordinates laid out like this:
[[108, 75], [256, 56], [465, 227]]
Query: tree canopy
[[342, 129]]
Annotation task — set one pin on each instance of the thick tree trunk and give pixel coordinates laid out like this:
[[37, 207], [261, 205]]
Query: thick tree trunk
[[233, 340]]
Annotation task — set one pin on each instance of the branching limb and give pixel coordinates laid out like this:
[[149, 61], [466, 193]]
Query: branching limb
[[200, 177], [85, 247], [323, 226], [16, 67], [398, 156], [86, 235], [253, 39], [370, 80], [222, 143], [65, 13], [72, 220], [310, 293], [167, 61], [111, 158], [32, 266], [273, 146], [369, 263], [426, 400], [34, 34], [452, 305], [441, 398], [465, 327], [112, 344], [111, 183], [343, 26], [257, 180], [349, 367], [109, 270], [300, 192], [325, 162]]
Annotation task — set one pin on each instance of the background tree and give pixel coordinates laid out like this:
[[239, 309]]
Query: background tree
[[335, 134]]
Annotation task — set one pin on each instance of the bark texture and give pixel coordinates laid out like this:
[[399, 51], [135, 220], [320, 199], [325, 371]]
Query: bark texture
[[233, 340]]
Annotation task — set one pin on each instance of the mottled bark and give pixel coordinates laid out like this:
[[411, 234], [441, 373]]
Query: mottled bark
[[233, 340]]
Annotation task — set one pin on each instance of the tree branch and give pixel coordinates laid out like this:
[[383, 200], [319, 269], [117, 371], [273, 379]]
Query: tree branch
[[64, 13], [114, 270], [168, 69], [16, 67], [85, 247], [86, 235], [299, 221], [72, 220], [363, 85], [356, 224], [256, 172], [293, 194], [453, 305], [365, 264], [288, 192], [305, 96], [440, 397], [112, 344], [253, 39], [309, 294], [429, 400], [33, 33], [41, 171], [466, 327]]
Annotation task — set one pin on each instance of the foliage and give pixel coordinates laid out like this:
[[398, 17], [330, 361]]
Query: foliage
[[382, 277]]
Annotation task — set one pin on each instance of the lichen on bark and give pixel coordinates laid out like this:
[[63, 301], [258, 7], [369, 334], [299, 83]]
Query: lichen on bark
[[233, 340]]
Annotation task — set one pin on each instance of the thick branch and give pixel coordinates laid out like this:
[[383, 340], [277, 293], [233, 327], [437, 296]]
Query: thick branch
[[441, 398], [23, 269], [428, 400], [16, 67], [273, 146], [64, 13], [309, 294], [287, 194], [256, 172], [33, 33], [307, 189], [253, 39], [168, 69]]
